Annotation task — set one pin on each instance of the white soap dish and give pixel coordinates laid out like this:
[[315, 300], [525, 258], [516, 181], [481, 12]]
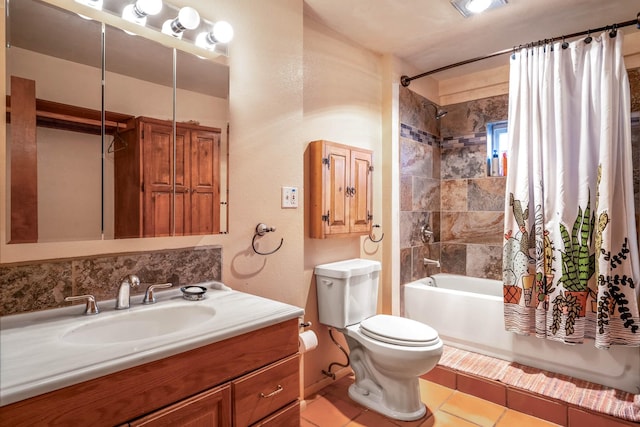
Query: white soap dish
[[193, 293]]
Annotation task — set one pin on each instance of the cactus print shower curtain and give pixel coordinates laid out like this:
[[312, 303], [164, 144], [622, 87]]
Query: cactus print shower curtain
[[570, 255]]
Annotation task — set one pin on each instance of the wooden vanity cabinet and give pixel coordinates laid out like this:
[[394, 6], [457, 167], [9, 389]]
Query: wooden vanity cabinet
[[211, 408], [144, 165], [341, 190], [250, 379]]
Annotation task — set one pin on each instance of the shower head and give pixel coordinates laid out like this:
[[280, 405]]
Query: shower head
[[438, 112]]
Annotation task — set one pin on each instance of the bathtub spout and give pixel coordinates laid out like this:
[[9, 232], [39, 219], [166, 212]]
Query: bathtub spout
[[428, 261]]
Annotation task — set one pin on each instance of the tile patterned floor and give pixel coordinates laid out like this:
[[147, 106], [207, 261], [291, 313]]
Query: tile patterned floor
[[446, 407]]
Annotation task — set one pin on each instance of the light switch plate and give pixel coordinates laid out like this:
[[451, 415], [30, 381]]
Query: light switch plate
[[289, 197]]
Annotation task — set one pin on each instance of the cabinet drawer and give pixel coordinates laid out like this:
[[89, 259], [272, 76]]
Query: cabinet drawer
[[265, 391], [286, 417]]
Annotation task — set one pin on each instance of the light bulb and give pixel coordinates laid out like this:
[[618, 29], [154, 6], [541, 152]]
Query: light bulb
[[188, 19], [477, 6], [137, 12], [222, 32], [149, 7], [205, 40]]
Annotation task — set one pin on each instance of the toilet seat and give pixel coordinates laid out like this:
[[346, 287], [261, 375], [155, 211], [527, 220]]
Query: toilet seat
[[398, 331]]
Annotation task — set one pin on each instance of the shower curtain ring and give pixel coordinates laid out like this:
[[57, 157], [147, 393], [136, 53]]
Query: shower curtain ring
[[589, 38], [564, 43]]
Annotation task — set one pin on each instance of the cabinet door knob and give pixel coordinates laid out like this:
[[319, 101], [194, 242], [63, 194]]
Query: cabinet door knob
[[274, 392]]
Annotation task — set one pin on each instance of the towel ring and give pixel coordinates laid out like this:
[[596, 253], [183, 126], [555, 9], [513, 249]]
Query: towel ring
[[372, 238], [261, 230]]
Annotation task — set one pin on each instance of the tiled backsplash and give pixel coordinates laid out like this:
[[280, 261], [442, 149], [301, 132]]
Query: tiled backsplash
[[44, 285], [447, 159]]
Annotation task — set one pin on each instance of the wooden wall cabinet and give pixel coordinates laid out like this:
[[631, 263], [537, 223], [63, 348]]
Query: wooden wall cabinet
[[248, 380], [341, 190], [144, 165]]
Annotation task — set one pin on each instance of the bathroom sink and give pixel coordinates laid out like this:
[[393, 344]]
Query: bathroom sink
[[146, 322]]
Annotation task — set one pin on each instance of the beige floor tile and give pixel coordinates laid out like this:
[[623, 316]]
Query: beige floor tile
[[370, 419], [434, 395], [444, 419], [514, 418], [327, 412], [473, 409]]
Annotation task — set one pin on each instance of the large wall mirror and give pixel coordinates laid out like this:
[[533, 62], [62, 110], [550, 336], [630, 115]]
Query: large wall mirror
[[143, 155]]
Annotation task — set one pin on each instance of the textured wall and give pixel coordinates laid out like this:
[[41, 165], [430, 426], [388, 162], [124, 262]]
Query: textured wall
[[44, 285], [419, 184], [472, 203]]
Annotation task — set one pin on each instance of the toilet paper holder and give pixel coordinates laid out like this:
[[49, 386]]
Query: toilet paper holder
[[305, 324]]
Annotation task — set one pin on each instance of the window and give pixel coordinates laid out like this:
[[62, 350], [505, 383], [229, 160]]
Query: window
[[497, 145]]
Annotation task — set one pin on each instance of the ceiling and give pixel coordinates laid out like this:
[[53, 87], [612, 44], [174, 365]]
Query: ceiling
[[429, 34]]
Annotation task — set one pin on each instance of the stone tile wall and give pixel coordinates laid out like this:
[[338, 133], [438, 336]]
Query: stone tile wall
[[472, 204], [419, 184], [43, 285]]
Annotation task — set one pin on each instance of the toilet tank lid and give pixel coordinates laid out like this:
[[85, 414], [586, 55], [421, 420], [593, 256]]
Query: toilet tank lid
[[347, 268]]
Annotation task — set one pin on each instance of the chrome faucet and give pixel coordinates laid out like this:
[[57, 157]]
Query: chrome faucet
[[124, 291]]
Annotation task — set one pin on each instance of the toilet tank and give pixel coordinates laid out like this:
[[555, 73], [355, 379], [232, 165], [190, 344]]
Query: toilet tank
[[347, 291]]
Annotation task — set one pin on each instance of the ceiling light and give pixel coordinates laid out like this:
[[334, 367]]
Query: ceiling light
[[137, 12], [477, 6], [188, 19], [469, 8]]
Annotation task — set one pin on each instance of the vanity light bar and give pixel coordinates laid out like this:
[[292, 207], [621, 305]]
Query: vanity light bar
[[184, 23]]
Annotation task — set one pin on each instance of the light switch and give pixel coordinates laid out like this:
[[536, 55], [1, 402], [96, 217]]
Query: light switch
[[289, 197]]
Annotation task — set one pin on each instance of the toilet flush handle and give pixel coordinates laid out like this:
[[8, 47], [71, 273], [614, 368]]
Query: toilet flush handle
[[327, 282]]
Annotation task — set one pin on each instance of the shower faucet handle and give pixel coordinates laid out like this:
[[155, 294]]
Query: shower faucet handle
[[425, 234]]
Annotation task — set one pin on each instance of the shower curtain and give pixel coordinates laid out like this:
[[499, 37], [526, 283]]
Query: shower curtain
[[570, 255]]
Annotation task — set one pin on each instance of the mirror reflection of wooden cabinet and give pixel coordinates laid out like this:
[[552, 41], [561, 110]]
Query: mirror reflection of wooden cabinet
[[144, 171], [341, 190]]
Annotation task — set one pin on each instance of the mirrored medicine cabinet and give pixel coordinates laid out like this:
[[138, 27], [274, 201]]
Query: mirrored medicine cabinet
[[142, 155]]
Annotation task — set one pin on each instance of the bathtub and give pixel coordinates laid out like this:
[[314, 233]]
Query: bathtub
[[467, 312]]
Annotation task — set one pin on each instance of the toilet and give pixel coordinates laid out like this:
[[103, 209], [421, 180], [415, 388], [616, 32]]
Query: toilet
[[387, 353]]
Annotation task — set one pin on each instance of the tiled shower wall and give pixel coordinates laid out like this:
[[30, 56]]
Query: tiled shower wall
[[446, 159], [43, 285], [419, 184]]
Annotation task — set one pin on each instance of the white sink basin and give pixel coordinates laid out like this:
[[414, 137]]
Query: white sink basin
[[146, 322]]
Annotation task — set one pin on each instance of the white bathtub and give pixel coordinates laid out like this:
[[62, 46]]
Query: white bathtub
[[467, 312]]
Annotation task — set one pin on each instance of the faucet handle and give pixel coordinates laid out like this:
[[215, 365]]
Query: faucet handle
[[149, 297], [91, 307]]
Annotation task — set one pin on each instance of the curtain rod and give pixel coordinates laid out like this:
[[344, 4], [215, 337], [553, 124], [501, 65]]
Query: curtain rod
[[406, 80]]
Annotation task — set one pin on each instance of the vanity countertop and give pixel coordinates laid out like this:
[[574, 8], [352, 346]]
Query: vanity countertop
[[35, 359]]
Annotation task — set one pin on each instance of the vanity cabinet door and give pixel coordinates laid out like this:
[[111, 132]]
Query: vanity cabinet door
[[341, 190], [286, 417], [263, 392], [211, 408]]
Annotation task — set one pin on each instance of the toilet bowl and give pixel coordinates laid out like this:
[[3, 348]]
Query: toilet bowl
[[387, 353]]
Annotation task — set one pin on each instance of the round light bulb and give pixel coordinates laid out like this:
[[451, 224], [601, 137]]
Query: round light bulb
[[189, 18], [477, 6], [203, 41], [129, 14], [149, 7], [222, 32]]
